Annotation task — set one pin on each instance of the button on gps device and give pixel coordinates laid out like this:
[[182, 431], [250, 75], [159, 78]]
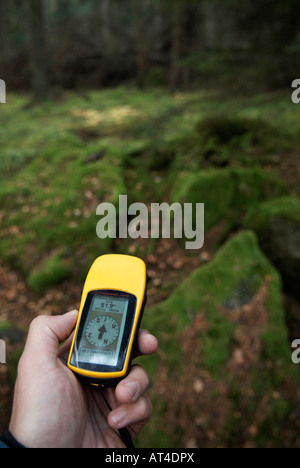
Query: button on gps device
[[112, 304]]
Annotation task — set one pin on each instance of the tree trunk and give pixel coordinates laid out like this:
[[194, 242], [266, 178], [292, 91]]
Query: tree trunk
[[4, 32], [178, 43], [105, 25], [210, 25], [39, 62], [140, 8]]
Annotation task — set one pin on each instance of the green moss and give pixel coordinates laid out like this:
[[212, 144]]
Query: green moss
[[277, 224], [55, 208], [224, 135], [204, 291], [10, 332], [270, 430], [275, 336], [13, 362], [53, 270], [49, 195], [286, 207], [226, 193], [217, 342], [4, 326], [240, 266]]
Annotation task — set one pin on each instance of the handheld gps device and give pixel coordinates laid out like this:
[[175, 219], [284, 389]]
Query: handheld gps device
[[112, 304]]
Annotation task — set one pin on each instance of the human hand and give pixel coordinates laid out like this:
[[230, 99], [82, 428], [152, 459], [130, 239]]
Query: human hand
[[53, 409]]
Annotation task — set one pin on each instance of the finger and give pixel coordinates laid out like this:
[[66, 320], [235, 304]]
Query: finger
[[45, 334], [64, 349], [127, 415], [147, 343], [133, 386]]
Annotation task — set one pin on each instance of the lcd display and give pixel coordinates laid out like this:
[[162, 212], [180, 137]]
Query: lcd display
[[103, 331]]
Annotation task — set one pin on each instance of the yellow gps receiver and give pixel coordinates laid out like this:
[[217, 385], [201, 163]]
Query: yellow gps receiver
[[112, 304]]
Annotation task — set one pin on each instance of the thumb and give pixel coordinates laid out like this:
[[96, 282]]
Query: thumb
[[46, 333]]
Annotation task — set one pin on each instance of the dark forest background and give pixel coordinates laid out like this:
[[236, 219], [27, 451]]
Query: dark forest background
[[178, 43]]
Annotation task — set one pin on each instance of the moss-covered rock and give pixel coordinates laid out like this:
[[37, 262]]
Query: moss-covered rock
[[226, 137], [277, 224], [55, 208], [52, 270], [224, 365], [227, 193]]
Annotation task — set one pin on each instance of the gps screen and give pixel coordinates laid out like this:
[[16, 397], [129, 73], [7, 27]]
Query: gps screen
[[103, 331]]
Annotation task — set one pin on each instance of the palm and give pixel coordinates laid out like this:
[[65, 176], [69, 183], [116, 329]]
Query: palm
[[53, 409], [87, 413]]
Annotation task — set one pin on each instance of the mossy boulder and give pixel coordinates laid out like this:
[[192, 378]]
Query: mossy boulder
[[277, 224], [52, 270], [55, 210], [227, 193], [227, 137], [224, 375], [227, 128]]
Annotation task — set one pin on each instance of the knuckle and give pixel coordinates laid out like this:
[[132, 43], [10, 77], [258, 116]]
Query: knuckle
[[147, 408], [38, 322], [141, 376]]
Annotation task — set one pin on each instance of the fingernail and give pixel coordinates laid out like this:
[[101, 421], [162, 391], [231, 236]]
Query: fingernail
[[72, 312], [133, 389], [118, 417]]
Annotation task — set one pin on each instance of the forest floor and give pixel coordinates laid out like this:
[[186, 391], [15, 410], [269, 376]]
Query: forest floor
[[167, 263]]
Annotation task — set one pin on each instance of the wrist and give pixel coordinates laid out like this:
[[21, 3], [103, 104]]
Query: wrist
[[9, 441]]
